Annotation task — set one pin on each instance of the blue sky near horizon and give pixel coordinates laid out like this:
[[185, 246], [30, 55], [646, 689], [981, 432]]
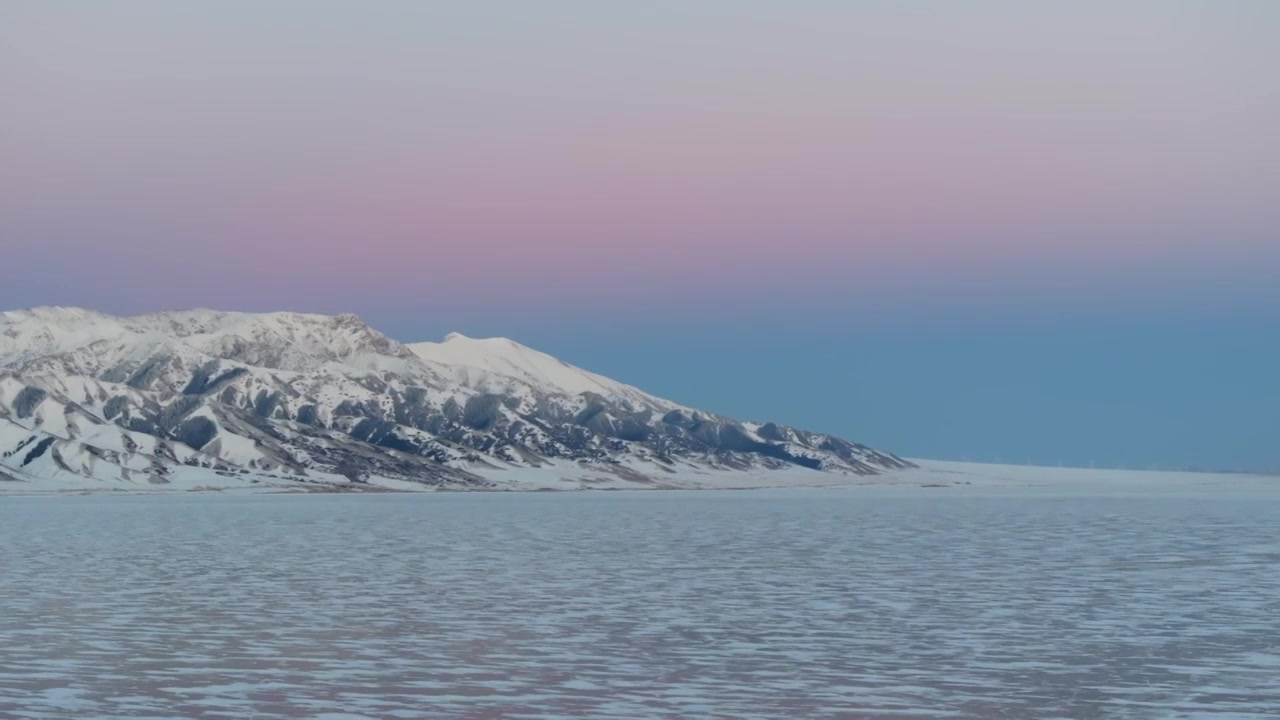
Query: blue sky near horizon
[[984, 230]]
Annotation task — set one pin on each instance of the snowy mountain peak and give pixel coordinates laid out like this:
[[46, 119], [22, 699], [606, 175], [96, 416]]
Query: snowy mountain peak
[[50, 313], [494, 363], [283, 340], [204, 396]]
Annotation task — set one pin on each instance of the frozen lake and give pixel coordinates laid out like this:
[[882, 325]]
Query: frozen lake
[[838, 603]]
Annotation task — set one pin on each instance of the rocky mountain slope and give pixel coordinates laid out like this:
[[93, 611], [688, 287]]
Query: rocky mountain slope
[[204, 399]]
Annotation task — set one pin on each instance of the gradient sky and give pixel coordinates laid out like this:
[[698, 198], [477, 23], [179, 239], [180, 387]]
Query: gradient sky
[[989, 230]]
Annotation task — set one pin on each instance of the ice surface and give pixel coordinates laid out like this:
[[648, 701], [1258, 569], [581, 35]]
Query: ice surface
[[859, 602]]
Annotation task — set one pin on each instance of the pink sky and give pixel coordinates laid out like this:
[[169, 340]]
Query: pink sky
[[673, 146]]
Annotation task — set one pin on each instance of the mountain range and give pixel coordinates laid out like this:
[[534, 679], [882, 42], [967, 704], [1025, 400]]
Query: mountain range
[[203, 399]]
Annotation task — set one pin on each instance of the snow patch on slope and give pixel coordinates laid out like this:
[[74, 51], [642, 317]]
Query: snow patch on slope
[[490, 364]]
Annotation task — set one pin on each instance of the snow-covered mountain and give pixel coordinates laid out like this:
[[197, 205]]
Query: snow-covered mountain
[[199, 399]]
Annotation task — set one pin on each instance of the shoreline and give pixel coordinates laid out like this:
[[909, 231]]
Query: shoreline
[[938, 476]]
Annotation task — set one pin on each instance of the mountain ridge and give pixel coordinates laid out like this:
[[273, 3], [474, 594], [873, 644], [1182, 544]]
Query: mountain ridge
[[295, 399]]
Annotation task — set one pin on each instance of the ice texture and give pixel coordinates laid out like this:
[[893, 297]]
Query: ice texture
[[824, 603]]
